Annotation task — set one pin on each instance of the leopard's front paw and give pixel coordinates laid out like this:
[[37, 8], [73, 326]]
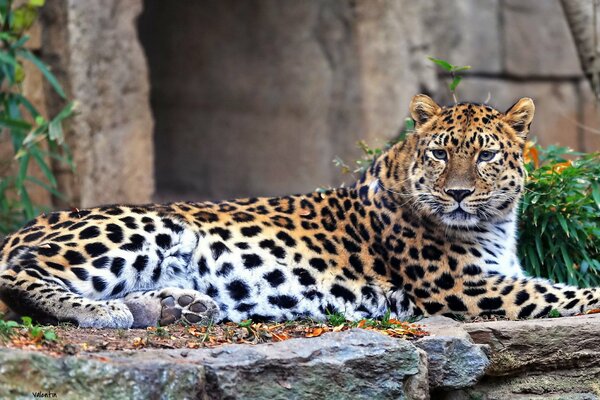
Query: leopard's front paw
[[186, 305]]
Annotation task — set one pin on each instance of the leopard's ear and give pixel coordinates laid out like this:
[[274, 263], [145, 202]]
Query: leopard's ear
[[520, 115], [422, 108]]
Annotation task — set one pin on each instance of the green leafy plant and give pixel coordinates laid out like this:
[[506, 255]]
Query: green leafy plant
[[454, 71], [336, 318], [245, 323], [369, 154], [159, 331], [34, 138], [7, 329], [554, 313], [37, 333], [560, 216]]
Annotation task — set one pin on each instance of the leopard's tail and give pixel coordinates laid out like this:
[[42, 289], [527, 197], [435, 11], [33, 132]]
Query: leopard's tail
[[513, 298]]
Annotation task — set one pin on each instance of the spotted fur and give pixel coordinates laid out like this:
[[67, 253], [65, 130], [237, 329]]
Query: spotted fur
[[429, 229]]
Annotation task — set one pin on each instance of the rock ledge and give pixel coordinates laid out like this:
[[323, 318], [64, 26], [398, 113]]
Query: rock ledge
[[538, 359]]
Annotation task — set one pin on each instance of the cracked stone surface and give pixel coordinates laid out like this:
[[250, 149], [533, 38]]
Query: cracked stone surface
[[454, 360], [555, 358], [352, 364]]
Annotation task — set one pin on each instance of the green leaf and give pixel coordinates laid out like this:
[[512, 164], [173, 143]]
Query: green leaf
[[539, 247], [14, 123], [7, 58], [565, 255], [460, 69], [35, 136], [563, 223], [26, 54], [554, 313], [455, 82], [50, 335], [584, 267], [48, 188], [19, 73], [55, 131], [19, 43], [442, 63], [533, 261], [23, 18], [44, 166], [27, 321], [23, 165], [66, 112], [245, 323], [36, 332], [27, 104], [596, 193], [37, 3], [8, 36]]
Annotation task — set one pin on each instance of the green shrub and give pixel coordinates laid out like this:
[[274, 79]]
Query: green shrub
[[26, 128], [560, 216]]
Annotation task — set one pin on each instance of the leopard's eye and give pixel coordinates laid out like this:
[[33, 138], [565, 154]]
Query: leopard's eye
[[486, 155], [440, 154]]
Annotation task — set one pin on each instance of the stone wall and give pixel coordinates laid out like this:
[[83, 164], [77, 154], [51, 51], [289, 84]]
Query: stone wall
[[94, 51], [257, 97]]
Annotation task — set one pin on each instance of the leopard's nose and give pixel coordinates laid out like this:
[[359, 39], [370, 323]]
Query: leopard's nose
[[459, 194]]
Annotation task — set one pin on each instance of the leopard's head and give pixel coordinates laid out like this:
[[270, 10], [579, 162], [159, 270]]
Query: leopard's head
[[467, 163]]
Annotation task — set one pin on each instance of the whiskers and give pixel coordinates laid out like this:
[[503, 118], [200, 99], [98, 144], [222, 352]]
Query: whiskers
[[380, 185]]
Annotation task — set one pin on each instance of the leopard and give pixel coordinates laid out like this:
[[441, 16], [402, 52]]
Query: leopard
[[430, 228]]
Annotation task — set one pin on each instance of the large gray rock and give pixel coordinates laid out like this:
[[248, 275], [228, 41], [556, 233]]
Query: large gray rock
[[546, 51], [538, 359], [466, 32], [540, 345], [454, 360], [90, 377], [353, 364]]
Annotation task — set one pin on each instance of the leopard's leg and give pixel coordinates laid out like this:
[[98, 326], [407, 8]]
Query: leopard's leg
[[477, 293], [169, 305], [47, 300]]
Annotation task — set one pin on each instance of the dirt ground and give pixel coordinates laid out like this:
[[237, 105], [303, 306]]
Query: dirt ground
[[68, 339]]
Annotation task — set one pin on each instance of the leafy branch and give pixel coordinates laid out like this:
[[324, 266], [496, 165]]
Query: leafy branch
[[35, 139], [454, 71]]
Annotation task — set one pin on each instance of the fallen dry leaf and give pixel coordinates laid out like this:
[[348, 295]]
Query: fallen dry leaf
[[315, 332], [279, 337]]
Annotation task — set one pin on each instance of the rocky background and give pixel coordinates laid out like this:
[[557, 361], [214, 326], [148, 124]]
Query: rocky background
[[225, 98]]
